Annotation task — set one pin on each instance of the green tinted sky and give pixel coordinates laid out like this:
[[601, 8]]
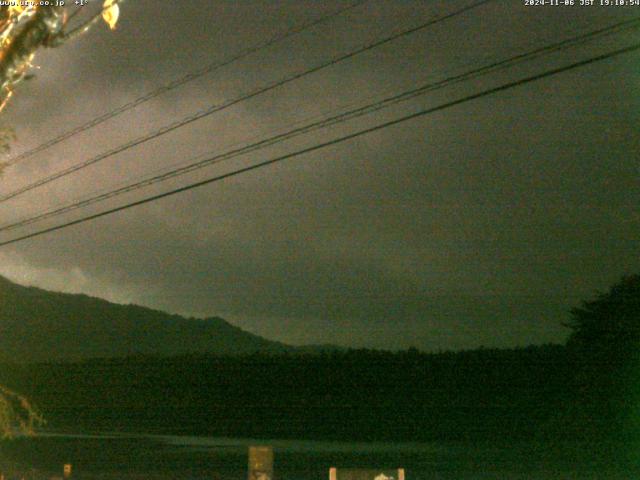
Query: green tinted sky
[[481, 224]]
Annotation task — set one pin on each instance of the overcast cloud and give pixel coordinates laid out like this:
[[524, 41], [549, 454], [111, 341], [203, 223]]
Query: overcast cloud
[[479, 225]]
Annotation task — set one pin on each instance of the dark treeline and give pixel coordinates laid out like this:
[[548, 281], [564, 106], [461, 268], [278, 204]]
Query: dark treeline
[[580, 390], [356, 394]]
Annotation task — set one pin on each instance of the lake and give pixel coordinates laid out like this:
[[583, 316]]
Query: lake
[[116, 455]]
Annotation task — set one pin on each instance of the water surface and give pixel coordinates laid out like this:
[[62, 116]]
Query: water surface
[[116, 455]]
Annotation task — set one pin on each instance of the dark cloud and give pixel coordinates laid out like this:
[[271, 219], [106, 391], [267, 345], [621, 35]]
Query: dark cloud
[[482, 224]]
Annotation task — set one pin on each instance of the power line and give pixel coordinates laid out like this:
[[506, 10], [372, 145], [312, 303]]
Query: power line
[[332, 120], [335, 141], [180, 81], [216, 108]]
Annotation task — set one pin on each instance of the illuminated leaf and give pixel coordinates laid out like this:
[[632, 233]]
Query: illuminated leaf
[[110, 13]]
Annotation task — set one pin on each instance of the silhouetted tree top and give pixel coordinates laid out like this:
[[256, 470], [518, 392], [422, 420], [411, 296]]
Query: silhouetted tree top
[[605, 350], [611, 320]]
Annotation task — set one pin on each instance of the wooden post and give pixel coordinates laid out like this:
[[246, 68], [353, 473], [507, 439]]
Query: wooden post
[[260, 463]]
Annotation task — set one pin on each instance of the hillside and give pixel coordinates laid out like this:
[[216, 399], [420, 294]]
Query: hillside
[[39, 325]]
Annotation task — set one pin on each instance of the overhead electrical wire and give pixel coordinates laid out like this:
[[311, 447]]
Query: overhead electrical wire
[[332, 120], [335, 141], [189, 77], [219, 107]]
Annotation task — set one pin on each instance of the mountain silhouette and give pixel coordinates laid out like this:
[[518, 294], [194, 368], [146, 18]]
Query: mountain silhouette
[[38, 325]]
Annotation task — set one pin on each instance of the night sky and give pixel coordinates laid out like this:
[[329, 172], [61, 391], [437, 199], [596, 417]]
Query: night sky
[[482, 224]]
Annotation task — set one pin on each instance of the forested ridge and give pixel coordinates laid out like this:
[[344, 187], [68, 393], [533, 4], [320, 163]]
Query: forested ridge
[[586, 389]]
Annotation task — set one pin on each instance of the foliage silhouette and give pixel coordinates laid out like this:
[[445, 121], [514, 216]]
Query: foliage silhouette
[[604, 346], [582, 390]]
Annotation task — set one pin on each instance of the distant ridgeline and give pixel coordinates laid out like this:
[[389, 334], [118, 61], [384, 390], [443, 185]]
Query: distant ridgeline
[[587, 389], [40, 326]]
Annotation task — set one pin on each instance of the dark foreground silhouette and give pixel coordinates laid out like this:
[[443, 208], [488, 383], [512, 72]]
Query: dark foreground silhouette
[[586, 391]]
